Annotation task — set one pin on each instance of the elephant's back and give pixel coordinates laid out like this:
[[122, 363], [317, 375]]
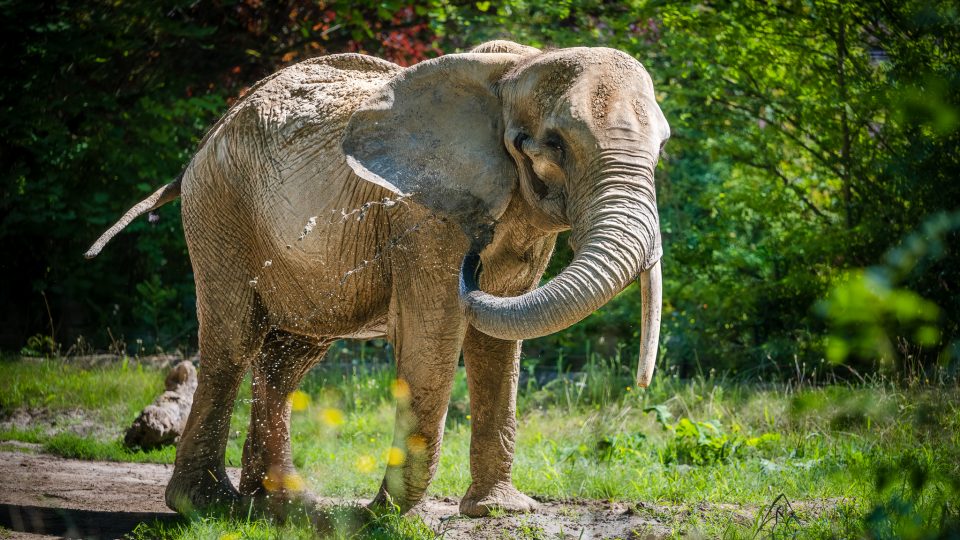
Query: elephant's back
[[272, 170], [298, 169], [313, 97], [283, 136], [326, 86], [324, 89]]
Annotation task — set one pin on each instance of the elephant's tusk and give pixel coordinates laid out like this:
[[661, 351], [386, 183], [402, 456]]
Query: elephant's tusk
[[651, 292]]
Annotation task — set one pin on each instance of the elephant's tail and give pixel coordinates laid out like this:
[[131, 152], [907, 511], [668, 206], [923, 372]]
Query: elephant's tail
[[159, 198]]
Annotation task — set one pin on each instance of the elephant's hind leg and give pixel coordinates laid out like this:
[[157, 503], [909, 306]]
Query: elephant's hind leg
[[232, 327], [268, 468], [199, 480]]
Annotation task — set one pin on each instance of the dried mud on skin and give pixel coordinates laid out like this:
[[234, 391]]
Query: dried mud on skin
[[67, 497]]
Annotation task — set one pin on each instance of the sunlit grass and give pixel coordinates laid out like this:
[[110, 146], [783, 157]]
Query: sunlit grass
[[108, 392], [386, 527], [838, 452]]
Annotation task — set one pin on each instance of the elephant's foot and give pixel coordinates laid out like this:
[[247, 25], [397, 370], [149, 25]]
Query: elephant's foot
[[202, 492], [501, 496], [276, 492], [384, 503], [303, 508], [281, 506]]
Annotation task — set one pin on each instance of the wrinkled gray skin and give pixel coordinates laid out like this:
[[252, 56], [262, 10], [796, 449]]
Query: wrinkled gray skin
[[403, 172]]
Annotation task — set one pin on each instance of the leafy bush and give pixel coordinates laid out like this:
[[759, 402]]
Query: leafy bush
[[696, 442], [914, 499], [872, 315]]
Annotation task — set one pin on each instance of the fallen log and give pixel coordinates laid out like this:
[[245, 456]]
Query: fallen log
[[162, 422]]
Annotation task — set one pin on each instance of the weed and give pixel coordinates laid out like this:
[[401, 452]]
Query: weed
[[705, 442], [39, 345], [528, 531]]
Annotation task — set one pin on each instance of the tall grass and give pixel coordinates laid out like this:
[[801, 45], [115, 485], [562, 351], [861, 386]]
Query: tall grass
[[847, 458]]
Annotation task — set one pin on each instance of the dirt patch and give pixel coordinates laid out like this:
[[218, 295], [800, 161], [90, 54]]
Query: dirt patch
[[50, 423], [72, 498], [41, 493], [68, 497], [554, 519]]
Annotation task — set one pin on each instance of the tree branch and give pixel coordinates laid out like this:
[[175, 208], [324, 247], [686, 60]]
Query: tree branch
[[812, 151], [787, 183]]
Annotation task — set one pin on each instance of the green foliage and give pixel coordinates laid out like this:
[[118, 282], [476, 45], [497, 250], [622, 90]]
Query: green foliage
[[598, 381], [913, 499], [343, 521], [698, 443], [39, 345], [107, 392], [71, 445], [705, 442], [808, 138], [620, 446], [801, 117], [103, 103], [865, 305], [869, 309]]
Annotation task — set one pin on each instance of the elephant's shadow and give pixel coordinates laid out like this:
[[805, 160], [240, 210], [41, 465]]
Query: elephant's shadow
[[74, 523], [334, 520]]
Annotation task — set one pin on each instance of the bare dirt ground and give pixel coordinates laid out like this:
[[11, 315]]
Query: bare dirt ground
[[43, 495]]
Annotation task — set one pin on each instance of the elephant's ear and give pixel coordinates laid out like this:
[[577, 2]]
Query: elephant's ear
[[434, 133]]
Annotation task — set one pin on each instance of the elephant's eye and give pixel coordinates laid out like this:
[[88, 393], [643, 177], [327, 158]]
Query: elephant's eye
[[554, 141], [519, 139]]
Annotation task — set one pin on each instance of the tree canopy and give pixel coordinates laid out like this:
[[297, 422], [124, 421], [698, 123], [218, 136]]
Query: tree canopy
[[808, 196]]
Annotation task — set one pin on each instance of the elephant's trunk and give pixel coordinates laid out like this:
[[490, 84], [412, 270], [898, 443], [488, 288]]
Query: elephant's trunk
[[618, 240]]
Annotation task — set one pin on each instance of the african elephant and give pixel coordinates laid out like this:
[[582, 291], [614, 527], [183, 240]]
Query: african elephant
[[348, 197]]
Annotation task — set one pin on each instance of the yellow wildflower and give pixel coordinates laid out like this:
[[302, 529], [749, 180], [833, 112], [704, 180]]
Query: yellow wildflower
[[365, 464], [400, 389], [416, 444], [395, 457], [293, 482], [299, 400], [332, 417]]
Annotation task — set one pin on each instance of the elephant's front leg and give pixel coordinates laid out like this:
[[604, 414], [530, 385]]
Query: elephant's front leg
[[493, 367], [427, 347]]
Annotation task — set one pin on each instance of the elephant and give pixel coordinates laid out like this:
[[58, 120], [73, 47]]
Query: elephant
[[345, 197]]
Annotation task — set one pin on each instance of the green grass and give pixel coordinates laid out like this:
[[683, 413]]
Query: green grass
[[387, 527], [105, 391], [850, 460]]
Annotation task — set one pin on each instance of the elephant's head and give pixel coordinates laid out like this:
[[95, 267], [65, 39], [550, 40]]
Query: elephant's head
[[575, 132]]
